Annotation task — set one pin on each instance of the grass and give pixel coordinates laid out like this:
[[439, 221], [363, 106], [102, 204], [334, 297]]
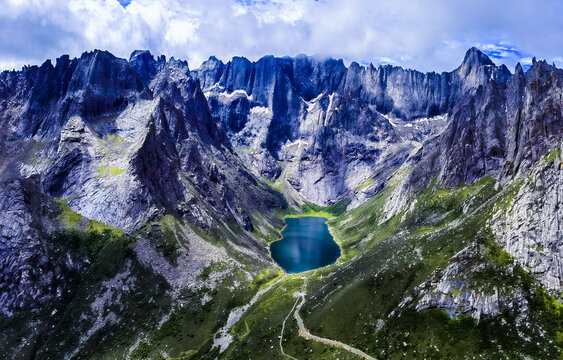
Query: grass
[[277, 186], [190, 329], [384, 272], [497, 254], [265, 277], [382, 269], [553, 155], [207, 271], [111, 140], [98, 254], [108, 171], [366, 183], [310, 209], [68, 217], [110, 144], [70, 220], [100, 227], [166, 235]]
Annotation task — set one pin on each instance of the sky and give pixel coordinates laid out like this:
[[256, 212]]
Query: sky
[[427, 35]]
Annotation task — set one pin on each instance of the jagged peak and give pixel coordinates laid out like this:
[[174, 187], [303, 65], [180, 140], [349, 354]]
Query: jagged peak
[[475, 57], [182, 64], [211, 63], [213, 59], [47, 64], [518, 69], [96, 53], [354, 65], [541, 66], [145, 54]]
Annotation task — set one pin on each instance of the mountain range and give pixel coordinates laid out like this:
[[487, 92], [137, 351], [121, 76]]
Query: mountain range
[[139, 198]]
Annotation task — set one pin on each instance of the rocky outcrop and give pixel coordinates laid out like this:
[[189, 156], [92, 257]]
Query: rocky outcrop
[[144, 64], [33, 274], [123, 143], [500, 130], [456, 290], [530, 228], [39, 100]]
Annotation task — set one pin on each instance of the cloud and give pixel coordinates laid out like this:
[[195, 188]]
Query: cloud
[[425, 35], [501, 50]]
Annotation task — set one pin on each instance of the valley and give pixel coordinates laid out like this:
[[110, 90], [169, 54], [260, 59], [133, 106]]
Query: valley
[[154, 211]]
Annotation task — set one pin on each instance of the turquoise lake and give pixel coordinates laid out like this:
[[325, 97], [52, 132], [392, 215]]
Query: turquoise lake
[[306, 245]]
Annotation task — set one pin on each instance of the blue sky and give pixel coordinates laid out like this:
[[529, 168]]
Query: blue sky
[[426, 35]]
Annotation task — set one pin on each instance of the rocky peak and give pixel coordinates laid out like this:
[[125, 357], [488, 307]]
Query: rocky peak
[[101, 70], [518, 70], [237, 74], [211, 71], [180, 64], [143, 62], [475, 57]]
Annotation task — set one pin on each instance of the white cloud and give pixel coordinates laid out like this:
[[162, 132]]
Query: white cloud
[[426, 35]]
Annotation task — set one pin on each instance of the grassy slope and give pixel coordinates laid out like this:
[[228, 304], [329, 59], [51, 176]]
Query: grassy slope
[[354, 301]]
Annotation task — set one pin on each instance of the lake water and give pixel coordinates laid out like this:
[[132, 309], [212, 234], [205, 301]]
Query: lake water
[[306, 245]]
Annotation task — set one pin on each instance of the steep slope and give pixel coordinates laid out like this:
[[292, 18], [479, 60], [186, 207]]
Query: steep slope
[[323, 129], [458, 255], [139, 197], [502, 129], [97, 147]]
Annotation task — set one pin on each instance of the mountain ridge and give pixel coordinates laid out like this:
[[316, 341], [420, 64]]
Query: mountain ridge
[[140, 197]]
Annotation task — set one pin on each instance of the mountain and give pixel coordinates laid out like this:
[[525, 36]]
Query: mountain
[[139, 198], [331, 125]]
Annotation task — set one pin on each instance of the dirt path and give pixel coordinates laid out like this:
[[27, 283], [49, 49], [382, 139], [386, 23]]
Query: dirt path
[[225, 338], [304, 332], [307, 334], [283, 328]]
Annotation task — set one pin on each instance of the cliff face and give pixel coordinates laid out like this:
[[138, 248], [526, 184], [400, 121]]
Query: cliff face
[[500, 130], [330, 126], [122, 143]]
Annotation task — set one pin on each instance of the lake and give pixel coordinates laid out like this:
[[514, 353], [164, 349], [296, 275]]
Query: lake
[[306, 245]]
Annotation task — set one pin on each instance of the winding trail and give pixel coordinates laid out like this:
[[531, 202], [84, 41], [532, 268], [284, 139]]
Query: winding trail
[[283, 328], [225, 339], [304, 332]]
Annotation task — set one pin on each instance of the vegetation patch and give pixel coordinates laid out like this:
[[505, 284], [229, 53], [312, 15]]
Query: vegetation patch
[[166, 236], [366, 183], [103, 252], [189, 331], [265, 277], [68, 217], [109, 171], [277, 185], [310, 209], [207, 271], [553, 155]]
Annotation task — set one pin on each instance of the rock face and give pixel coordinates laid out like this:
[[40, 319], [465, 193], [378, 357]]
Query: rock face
[[33, 274], [133, 144], [123, 143], [509, 130], [325, 129], [531, 228], [501, 129], [452, 289]]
